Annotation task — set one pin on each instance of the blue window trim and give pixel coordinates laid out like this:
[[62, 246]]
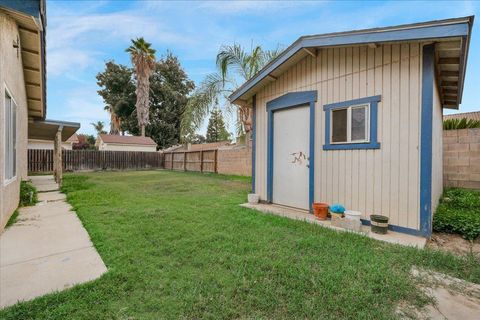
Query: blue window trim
[[254, 138], [373, 144], [428, 69], [291, 100]]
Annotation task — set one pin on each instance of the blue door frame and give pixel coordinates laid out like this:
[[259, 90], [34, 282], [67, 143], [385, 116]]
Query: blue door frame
[[292, 100]]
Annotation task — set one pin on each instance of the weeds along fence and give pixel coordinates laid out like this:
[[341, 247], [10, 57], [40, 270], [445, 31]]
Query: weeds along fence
[[201, 161], [78, 160]]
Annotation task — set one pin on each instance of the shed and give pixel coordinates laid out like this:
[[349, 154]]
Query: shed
[[356, 118], [110, 142]]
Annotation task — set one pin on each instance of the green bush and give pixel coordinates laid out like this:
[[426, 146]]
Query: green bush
[[459, 212], [28, 194], [463, 123]]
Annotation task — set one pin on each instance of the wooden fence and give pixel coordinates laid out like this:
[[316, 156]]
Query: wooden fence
[[202, 161], [76, 160]]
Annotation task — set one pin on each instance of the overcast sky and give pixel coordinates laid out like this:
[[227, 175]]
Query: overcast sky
[[83, 35]]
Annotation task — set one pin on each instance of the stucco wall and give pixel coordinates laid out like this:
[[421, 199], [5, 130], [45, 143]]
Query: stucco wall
[[125, 147], [383, 181], [11, 77]]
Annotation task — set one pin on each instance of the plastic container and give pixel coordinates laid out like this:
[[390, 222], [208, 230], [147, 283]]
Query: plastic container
[[379, 224], [353, 215], [253, 198]]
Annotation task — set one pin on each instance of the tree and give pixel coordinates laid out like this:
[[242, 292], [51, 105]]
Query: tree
[[169, 90], [233, 63], [216, 130], [143, 60], [118, 93], [85, 142], [99, 127]]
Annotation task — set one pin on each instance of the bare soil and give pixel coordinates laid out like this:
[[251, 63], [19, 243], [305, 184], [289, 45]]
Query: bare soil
[[454, 244]]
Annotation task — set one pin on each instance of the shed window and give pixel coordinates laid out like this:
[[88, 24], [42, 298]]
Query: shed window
[[352, 124], [10, 138], [349, 125]]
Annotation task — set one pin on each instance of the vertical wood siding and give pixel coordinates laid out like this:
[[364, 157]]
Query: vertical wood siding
[[382, 181]]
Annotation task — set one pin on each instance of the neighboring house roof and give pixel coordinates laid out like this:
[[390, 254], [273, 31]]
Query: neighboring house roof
[[73, 139], [475, 115], [116, 139], [452, 37], [31, 19], [198, 146], [208, 146]]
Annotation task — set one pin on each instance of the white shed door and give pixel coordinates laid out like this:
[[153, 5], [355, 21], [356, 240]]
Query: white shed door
[[290, 157]]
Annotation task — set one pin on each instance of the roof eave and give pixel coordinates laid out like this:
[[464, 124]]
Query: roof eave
[[459, 27]]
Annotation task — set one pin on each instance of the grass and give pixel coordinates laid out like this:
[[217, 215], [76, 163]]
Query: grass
[[177, 245], [459, 212], [13, 218]]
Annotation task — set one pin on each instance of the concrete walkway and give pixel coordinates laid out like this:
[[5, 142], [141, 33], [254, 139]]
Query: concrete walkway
[[46, 250]]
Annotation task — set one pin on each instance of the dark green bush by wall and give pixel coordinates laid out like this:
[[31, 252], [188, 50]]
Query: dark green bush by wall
[[459, 212]]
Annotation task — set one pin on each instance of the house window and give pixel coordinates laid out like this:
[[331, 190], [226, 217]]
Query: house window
[[10, 138], [351, 124]]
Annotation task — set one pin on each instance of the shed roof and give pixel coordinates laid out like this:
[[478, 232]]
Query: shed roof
[[451, 35], [474, 115], [110, 138]]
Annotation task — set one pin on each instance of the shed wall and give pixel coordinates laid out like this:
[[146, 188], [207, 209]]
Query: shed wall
[[383, 181]]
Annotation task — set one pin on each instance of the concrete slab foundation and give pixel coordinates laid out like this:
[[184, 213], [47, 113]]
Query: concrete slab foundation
[[303, 215]]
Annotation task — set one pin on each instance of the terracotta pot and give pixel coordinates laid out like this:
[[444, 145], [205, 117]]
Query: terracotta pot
[[320, 210]]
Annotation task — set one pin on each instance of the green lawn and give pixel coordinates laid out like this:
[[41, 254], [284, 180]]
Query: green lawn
[[177, 245]]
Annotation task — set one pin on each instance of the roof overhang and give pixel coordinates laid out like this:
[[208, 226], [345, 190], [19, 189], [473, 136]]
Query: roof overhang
[[47, 129], [30, 18], [453, 33]]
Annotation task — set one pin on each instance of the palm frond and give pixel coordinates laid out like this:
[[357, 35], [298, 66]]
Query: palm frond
[[201, 102]]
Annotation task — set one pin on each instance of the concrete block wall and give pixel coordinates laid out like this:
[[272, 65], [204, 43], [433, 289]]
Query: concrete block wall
[[461, 158], [236, 161]]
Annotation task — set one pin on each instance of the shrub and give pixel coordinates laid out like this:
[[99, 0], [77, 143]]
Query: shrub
[[459, 212], [28, 194], [464, 123]]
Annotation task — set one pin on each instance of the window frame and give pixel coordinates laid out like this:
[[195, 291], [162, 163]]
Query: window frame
[[370, 141], [13, 113], [349, 123]]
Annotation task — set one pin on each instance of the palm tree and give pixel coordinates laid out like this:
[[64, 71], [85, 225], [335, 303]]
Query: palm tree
[[143, 60], [115, 122], [99, 127], [233, 63]]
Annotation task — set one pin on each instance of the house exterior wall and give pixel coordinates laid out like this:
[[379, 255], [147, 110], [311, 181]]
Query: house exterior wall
[[125, 147], [46, 144], [437, 148], [11, 79], [377, 181]]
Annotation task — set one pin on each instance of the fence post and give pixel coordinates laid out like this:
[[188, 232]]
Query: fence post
[[201, 161], [184, 161], [215, 161]]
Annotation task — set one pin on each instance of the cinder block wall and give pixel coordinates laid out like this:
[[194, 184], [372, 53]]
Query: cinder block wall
[[237, 161], [461, 158]]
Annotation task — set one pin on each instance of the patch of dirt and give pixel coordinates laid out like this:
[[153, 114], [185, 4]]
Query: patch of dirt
[[454, 244]]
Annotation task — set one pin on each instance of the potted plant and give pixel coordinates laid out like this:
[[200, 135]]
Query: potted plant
[[320, 210]]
